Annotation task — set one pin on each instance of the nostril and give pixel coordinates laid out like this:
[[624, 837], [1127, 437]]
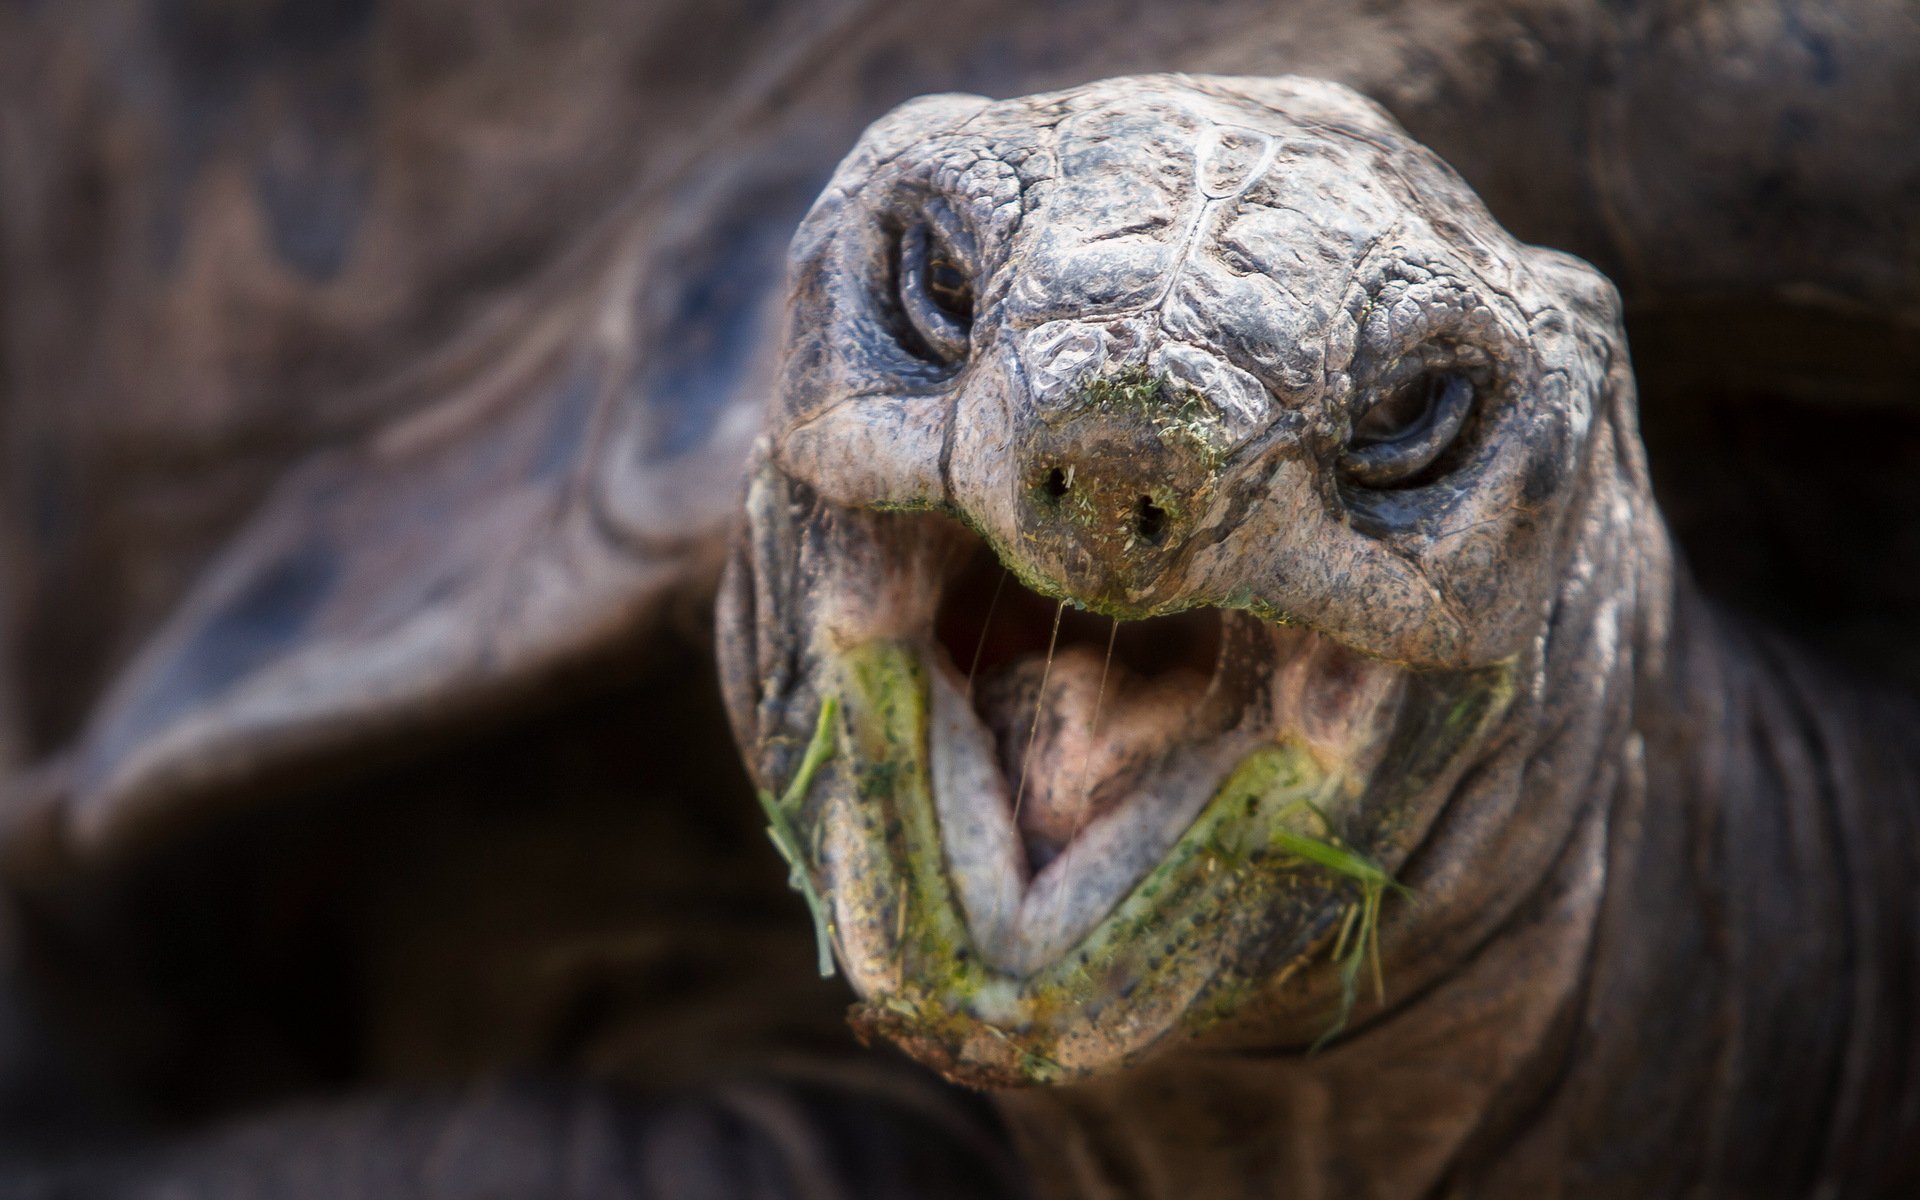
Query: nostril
[[1056, 483], [1149, 520]]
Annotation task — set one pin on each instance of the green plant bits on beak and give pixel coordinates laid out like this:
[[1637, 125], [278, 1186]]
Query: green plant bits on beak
[[1163, 958]]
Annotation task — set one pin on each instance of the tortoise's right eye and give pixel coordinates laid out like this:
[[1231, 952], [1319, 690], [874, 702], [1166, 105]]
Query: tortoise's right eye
[[936, 293]]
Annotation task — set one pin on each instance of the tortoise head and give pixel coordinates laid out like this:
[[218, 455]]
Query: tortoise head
[[1171, 490]]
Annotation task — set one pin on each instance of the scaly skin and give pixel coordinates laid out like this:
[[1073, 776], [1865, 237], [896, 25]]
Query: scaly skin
[[1661, 921]]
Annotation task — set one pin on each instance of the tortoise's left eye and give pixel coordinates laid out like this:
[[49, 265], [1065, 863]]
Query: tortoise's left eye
[[1404, 432], [936, 292]]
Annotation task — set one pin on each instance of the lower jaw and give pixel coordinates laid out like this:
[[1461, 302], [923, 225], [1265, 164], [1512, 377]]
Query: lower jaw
[[1228, 909]]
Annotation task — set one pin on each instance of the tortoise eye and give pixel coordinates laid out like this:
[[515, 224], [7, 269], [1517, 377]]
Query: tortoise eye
[[1406, 431], [936, 292], [951, 289]]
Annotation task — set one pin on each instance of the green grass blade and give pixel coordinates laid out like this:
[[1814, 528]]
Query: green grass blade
[[1334, 858], [819, 750], [786, 840], [1357, 945]]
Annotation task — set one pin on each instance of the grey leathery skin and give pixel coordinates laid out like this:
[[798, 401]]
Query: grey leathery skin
[[1662, 922]]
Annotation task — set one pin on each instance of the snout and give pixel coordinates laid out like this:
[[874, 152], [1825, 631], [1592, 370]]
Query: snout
[[1113, 483]]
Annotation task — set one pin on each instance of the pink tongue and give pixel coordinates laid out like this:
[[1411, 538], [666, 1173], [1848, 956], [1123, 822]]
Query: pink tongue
[[1075, 770]]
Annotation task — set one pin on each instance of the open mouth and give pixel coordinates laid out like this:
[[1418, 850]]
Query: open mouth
[[1043, 840], [1045, 677], [1069, 751]]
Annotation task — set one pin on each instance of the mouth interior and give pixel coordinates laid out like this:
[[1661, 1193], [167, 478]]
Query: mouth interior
[[1075, 702], [1061, 779], [1069, 752]]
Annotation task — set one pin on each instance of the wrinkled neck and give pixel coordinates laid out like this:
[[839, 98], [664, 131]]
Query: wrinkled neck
[[1748, 1027]]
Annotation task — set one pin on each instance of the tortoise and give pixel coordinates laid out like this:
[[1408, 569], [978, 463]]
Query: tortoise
[[382, 384]]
